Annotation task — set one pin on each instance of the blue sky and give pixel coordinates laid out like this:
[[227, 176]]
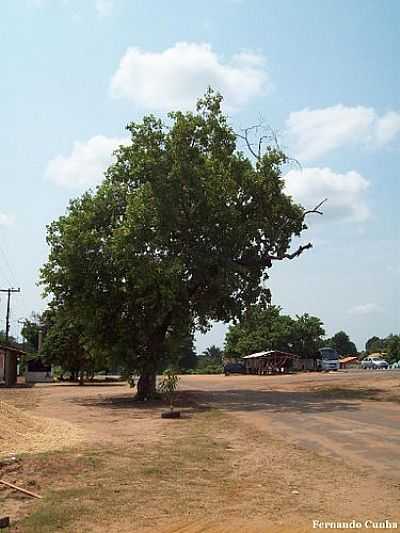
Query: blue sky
[[324, 75]]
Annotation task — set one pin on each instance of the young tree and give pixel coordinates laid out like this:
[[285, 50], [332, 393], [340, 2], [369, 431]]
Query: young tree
[[181, 232]]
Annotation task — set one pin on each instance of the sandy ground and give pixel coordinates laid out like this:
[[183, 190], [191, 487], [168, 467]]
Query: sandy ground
[[293, 449], [352, 416]]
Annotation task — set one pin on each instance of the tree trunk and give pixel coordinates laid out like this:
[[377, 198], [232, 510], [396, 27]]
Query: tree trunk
[[146, 387]]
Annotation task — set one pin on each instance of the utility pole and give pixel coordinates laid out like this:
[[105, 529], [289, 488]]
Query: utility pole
[[9, 292]]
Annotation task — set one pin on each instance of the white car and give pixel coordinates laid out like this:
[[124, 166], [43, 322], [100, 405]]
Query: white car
[[374, 363]]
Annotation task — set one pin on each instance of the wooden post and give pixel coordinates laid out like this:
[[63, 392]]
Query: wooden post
[[10, 368]]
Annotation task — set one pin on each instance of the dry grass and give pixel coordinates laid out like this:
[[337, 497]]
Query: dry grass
[[210, 473], [24, 433]]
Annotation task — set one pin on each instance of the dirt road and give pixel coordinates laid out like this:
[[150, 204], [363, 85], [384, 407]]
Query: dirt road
[[278, 452], [351, 416]]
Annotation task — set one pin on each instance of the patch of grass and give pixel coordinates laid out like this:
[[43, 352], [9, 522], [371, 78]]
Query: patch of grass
[[57, 512], [106, 484]]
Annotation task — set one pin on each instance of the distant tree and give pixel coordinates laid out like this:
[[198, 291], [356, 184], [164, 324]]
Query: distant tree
[[374, 345], [12, 341], [211, 360], [30, 332], [214, 354], [64, 344], [342, 344], [266, 329], [260, 329], [392, 348], [307, 335]]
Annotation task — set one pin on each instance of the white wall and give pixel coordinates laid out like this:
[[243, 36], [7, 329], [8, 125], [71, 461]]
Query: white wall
[[38, 377]]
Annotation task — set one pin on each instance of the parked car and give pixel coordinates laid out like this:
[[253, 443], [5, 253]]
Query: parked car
[[234, 368], [376, 363]]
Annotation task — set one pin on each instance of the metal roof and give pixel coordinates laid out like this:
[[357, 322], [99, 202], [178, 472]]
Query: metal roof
[[267, 354], [348, 359], [6, 348]]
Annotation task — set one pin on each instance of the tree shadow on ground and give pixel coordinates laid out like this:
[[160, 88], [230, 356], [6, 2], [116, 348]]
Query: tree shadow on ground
[[17, 386], [76, 384], [184, 400], [280, 401], [274, 401]]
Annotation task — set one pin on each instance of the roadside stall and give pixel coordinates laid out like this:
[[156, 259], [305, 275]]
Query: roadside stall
[[270, 362]]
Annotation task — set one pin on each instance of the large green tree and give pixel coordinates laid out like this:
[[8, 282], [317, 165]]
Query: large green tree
[[181, 232]]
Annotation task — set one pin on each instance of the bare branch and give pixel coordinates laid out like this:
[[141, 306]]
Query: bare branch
[[315, 210], [270, 137], [298, 252], [295, 161], [245, 137]]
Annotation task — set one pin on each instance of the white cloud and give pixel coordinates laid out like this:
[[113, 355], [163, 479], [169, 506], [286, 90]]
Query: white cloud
[[86, 164], [387, 127], [315, 132], [6, 220], [365, 309], [104, 7], [344, 192], [177, 76]]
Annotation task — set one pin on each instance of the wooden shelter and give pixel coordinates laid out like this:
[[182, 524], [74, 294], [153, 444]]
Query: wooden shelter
[[8, 364], [270, 362]]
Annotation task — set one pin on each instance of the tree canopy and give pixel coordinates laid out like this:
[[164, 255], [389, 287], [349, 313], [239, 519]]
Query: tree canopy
[[181, 232], [267, 329]]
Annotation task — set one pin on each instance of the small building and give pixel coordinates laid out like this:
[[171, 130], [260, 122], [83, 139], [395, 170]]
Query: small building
[[8, 364], [270, 362], [38, 371]]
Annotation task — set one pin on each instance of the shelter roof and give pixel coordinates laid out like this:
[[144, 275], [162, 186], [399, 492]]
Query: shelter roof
[[269, 353], [11, 349]]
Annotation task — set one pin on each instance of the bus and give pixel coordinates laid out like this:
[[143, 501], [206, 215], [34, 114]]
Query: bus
[[328, 359]]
